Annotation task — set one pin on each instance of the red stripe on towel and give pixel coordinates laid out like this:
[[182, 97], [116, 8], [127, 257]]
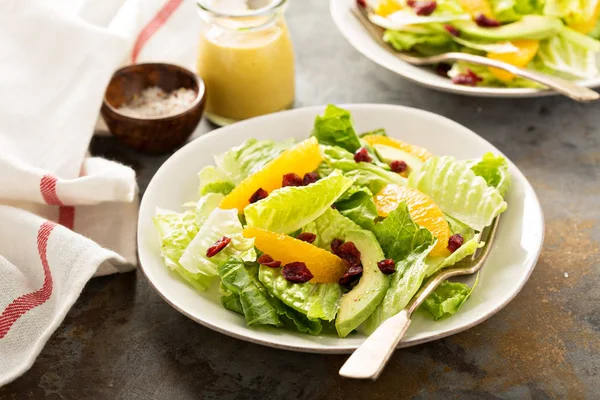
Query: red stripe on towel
[[31, 300], [66, 214], [154, 25]]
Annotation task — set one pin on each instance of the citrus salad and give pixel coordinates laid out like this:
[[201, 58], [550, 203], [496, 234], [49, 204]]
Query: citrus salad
[[557, 37], [338, 231]]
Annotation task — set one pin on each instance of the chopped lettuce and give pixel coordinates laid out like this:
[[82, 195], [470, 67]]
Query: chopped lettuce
[[219, 223], [512, 10], [214, 180], [458, 191], [316, 301], [427, 44], [290, 208], [176, 231], [358, 205], [230, 300], [494, 169], [244, 160], [330, 225], [571, 11], [206, 205], [256, 307], [447, 299], [335, 128], [488, 78], [378, 131], [469, 247]]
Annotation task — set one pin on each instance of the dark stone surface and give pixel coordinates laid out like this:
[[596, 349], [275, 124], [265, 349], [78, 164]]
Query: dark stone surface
[[121, 341]]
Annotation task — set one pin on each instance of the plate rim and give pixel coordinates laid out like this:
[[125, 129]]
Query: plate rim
[[336, 10], [321, 349]]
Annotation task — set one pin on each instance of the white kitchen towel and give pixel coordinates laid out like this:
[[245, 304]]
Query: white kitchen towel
[[65, 216]]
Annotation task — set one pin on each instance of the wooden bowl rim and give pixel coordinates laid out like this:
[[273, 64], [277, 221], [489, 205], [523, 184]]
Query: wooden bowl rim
[[197, 79]]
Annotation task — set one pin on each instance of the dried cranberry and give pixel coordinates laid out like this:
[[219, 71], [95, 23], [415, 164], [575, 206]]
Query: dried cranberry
[[335, 245], [411, 3], [268, 261], [486, 22], [307, 237], [310, 177], [351, 274], [217, 247], [296, 272], [424, 8], [387, 266], [442, 69], [455, 242], [333, 207], [398, 166], [349, 253], [468, 78], [291, 179], [362, 155], [452, 30], [361, 3], [258, 195]]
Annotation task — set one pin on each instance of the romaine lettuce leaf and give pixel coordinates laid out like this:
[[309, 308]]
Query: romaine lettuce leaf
[[469, 247], [512, 10], [427, 44], [570, 53], [358, 205], [205, 206], [571, 11], [218, 224], [330, 225], [176, 231], [378, 131], [230, 300], [399, 20], [316, 301], [447, 299], [290, 208], [257, 309], [494, 170], [458, 191], [214, 180], [488, 78], [244, 160], [335, 128]]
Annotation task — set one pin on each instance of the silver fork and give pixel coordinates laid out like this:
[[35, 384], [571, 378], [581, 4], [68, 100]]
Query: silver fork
[[368, 361], [559, 85]]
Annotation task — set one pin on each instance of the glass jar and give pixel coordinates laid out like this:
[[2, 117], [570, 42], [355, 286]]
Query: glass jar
[[246, 59]]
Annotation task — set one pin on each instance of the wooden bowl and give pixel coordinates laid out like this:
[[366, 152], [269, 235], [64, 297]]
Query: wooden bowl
[[152, 134]]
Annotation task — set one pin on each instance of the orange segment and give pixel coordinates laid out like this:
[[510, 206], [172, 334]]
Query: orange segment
[[387, 7], [417, 151], [325, 266], [300, 159], [476, 7], [527, 50], [422, 209], [587, 26]]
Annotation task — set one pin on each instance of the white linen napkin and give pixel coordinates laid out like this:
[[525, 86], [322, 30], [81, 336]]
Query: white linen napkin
[[65, 216]]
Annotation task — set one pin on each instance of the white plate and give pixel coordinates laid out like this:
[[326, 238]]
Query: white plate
[[511, 261], [360, 39]]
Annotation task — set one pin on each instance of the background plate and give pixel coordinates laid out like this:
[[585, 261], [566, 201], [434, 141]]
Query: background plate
[[513, 257]]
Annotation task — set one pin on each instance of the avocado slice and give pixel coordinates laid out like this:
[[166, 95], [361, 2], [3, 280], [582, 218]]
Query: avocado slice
[[388, 154], [363, 299], [535, 27]]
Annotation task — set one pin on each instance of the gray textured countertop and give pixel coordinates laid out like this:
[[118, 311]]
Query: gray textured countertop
[[122, 341]]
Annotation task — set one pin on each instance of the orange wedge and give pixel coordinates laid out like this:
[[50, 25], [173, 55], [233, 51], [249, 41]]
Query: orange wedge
[[300, 159], [476, 7], [417, 151], [423, 212], [325, 266], [587, 26], [387, 7], [527, 50]]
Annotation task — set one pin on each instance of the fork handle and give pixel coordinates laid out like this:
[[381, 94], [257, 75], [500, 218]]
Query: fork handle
[[373, 354], [563, 86]]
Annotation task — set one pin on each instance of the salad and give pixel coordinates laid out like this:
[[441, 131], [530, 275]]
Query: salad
[[557, 37], [336, 232]]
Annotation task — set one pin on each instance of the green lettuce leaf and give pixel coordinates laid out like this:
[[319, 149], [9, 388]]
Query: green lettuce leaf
[[358, 205], [426, 44], [290, 208], [244, 160], [256, 307], [316, 301], [175, 232], [469, 247], [571, 11], [458, 227], [214, 180], [399, 236], [570, 53], [335, 128], [230, 300], [458, 191], [330, 225], [489, 79], [218, 224], [206, 205], [378, 131], [447, 299], [512, 10], [494, 169]]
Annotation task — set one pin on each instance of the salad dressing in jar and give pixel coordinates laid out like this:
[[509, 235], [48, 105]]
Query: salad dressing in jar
[[246, 59]]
